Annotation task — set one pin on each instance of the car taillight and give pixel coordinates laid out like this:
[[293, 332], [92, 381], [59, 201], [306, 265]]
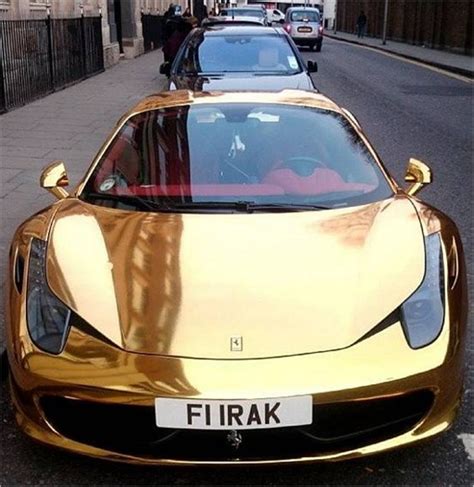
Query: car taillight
[[287, 27]]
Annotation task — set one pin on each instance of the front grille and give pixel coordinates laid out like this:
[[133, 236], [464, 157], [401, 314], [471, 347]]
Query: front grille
[[337, 427]]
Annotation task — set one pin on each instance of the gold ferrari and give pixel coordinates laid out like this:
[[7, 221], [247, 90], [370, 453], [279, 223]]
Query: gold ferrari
[[236, 279]]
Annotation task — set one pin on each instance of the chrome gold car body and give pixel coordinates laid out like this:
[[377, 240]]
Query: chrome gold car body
[[155, 300]]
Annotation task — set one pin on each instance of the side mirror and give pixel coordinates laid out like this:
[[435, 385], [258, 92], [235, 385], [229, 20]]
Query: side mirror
[[54, 178], [312, 67], [281, 21], [418, 175], [165, 69]]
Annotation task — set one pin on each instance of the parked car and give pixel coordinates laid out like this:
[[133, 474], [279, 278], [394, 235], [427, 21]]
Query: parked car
[[275, 15], [235, 57], [220, 19], [304, 25], [245, 12], [237, 279]]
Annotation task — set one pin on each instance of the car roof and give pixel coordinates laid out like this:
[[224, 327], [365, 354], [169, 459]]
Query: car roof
[[224, 19], [309, 9], [167, 99], [234, 28], [244, 7]]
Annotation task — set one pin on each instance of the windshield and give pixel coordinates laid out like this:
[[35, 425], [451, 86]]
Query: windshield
[[256, 54], [304, 16], [242, 12], [235, 152]]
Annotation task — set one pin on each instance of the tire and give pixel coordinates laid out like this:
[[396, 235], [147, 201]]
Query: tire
[[319, 45]]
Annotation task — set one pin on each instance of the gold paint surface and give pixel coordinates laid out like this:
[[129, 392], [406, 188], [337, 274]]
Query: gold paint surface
[[183, 284], [54, 178]]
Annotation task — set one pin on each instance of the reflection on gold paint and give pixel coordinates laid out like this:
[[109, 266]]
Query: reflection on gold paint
[[147, 276], [78, 249], [184, 283], [352, 228]]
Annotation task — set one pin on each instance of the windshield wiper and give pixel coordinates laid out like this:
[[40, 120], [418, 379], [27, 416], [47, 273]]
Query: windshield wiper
[[200, 206], [274, 73], [277, 207], [245, 206], [144, 204]]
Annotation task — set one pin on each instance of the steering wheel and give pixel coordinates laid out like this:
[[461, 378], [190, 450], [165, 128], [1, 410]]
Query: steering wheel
[[302, 165]]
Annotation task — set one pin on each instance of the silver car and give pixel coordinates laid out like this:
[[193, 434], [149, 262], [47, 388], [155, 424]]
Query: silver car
[[304, 25]]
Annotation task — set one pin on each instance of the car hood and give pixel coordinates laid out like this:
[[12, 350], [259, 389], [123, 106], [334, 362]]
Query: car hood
[[185, 284], [299, 81]]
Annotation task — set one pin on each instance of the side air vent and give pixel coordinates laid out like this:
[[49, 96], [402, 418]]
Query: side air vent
[[18, 272]]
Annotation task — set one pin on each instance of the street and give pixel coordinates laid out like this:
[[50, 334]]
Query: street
[[405, 109]]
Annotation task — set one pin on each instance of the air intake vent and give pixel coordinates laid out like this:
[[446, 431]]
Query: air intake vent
[[18, 272]]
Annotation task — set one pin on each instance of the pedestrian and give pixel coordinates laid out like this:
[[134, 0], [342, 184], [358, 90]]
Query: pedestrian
[[173, 43], [361, 24], [170, 12], [187, 12], [171, 21]]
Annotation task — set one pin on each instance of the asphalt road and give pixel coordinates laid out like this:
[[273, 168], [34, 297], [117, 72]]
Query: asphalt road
[[406, 110]]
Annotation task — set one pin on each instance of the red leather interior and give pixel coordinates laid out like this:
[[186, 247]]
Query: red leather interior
[[320, 182], [204, 190]]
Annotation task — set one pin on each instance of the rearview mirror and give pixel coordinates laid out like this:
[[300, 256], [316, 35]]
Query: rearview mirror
[[165, 68], [54, 178], [418, 174], [312, 67]]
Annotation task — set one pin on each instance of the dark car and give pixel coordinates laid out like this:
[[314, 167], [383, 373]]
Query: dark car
[[257, 13], [239, 57]]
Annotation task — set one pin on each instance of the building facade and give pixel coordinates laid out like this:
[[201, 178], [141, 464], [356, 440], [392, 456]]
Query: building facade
[[121, 19], [437, 24]]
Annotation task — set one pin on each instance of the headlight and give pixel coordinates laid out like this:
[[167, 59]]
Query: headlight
[[47, 317], [423, 311]]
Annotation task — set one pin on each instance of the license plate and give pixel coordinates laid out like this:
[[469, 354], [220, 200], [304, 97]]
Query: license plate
[[305, 29], [233, 414]]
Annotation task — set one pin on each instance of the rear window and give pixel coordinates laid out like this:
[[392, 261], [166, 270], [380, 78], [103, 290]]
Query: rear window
[[304, 16], [242, 12], [258, 55]]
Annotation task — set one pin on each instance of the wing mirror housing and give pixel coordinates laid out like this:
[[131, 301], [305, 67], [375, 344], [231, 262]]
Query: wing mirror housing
[[281, 21], [418, 174], [165, 68], [312, 67], [54, 179]]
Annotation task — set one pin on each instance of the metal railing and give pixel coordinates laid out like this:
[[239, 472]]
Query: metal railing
[[38, 57], [153, 31]]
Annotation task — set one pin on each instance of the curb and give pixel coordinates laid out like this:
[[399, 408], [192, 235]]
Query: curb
[[453, 69]]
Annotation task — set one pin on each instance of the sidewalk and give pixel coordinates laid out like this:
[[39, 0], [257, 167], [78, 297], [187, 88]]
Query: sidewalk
[[70, 125], [456, 63]]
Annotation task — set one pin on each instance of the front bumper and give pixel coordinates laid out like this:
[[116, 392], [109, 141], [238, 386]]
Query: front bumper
[[307, 39], [91, 380]]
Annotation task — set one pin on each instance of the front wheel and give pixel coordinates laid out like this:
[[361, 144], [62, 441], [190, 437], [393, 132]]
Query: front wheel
[[319, 45]]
